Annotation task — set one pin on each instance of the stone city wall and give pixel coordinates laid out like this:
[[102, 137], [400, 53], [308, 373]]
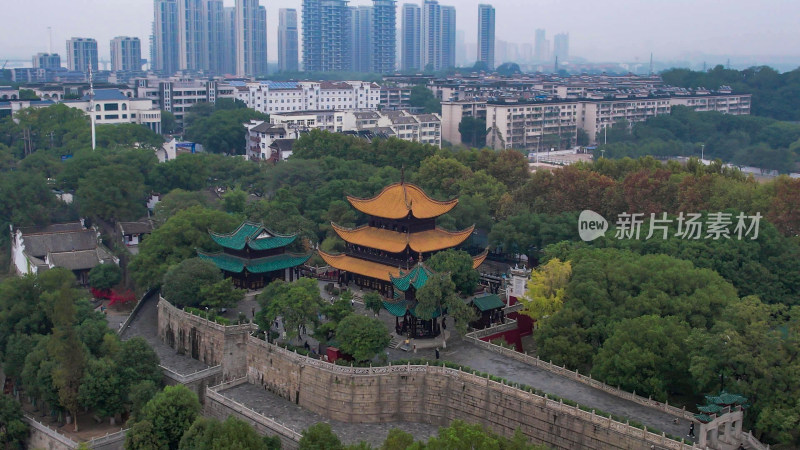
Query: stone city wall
[[436, 395], [204, 340], [426, 394], [220, 407]]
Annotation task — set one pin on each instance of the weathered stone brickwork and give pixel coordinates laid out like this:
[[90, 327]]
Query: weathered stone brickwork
[[203, 340], [425, 394], [435, 395]]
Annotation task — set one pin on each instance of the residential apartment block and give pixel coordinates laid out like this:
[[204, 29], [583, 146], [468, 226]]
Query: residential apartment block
[[423, 128], [177, 95], [486, 15], [276, 97], [542, 114], [126, 54], [288, 41], [82, 54]]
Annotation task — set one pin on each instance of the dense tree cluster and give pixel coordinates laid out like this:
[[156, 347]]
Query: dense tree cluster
[[775, 95], [662, 316], [62, 353], [743, 140], [663, 327], [218, 126]]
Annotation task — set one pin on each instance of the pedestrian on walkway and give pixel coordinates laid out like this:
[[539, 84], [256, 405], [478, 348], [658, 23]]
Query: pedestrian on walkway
[[437, 353], [691, 430]]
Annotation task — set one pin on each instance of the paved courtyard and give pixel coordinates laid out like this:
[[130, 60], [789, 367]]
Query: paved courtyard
[[298, 419]]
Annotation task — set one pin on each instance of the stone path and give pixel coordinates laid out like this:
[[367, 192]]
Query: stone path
[[145, 325], [298, 419]]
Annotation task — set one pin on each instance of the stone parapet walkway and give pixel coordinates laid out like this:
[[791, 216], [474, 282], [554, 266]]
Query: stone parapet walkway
[[145, 325], [298, 419]]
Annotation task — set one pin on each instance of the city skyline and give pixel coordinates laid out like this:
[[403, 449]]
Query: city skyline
[[768, 37]]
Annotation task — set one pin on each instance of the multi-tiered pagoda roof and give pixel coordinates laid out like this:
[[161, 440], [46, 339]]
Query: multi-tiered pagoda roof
[[402, 229], [253, 255]]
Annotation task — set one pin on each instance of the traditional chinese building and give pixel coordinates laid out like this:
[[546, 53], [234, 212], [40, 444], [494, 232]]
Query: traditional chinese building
[[401, 232], [253, 256]]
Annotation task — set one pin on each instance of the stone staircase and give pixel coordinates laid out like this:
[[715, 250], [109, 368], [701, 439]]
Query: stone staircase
[[396, 341]]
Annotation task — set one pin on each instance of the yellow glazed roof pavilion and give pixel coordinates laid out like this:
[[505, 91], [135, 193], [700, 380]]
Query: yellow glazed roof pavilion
[[395, 241], [360, 266], [397, 200]]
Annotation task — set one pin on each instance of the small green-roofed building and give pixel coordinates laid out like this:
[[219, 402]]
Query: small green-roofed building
[[490, 310], [405, 304], [488, 302], [253, 256]]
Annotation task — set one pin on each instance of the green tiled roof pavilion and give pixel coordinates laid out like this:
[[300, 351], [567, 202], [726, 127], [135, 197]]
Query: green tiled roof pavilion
[[253, 235]]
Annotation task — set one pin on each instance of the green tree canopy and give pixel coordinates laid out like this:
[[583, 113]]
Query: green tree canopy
[[185, 283], [473, 131], [178, 200], [222, 131], [105, 276], [319, 437], [362, 337], [13, 429], [112, 193], [170, 414], [176, 240], [546, 289], [103, 389], [232, 434], [373, 302], [298, 304], [610, 286], [458, 264], [438, 294], [422, 97]]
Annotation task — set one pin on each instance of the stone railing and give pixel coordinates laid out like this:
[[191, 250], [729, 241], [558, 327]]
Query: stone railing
[[50, 433], [212, 393], [227, 329], [510, 324], [516, 307], [574, 375], [659, 440], [108, 439], [192, 377], [752, 442]]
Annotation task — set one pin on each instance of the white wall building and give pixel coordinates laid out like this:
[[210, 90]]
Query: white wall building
[[174, 148], [424, 128], [287, 96], [260, 137], [68, 245], [178, 94], [541, 125], [111, 106]]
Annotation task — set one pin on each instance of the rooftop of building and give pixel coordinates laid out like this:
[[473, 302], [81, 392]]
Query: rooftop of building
[[397, 200]]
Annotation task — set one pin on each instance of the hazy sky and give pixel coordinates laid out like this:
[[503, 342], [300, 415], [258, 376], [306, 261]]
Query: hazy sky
[[600, 30]]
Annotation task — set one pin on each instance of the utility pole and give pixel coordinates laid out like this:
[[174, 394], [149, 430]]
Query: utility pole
[[702, 151], [91, 105]]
